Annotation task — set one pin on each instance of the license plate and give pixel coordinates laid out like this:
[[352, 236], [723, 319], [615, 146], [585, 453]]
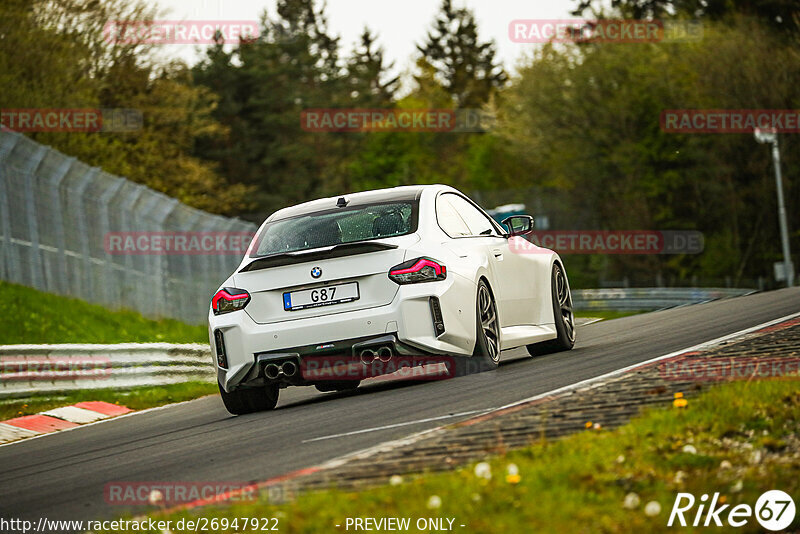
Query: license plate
[[321, 296]]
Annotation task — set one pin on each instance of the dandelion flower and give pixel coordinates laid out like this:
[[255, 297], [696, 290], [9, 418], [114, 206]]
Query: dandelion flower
[[512, 474], [434, 502], [652, 509], [483, 470], [631, 501]]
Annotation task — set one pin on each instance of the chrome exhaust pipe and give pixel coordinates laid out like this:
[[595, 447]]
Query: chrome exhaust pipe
[[288, 368], [272, 371], [385, 354], [367, 356]]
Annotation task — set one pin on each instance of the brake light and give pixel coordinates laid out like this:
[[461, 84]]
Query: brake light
[[418, 270], [229, 299]]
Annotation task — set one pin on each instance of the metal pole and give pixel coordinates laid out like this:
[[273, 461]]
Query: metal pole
[[787, 256]]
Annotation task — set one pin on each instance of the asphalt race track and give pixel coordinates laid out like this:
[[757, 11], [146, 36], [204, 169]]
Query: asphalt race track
[[62, 475]]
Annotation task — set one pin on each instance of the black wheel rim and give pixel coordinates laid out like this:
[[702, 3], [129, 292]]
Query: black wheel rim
[[488, 313], [565, 303]]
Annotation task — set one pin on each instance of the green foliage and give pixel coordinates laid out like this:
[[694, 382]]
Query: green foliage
[[586, 119], [85, 70], [33, 316]]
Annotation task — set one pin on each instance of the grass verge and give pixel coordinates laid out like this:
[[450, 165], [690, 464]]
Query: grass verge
[[134, 398], [739, 439], [31, 316]]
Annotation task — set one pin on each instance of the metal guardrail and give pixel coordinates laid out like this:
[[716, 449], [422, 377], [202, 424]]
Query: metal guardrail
[[35, 369], [649, 298]]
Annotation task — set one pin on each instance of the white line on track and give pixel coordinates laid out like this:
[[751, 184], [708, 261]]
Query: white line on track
[[392, 444], [396, 425], [699, 346]]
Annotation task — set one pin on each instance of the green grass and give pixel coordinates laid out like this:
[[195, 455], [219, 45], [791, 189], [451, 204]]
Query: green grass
[[134, 398], [579, 484], [31, 316]]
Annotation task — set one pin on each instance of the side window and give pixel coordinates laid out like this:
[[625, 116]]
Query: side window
[[477, 222], [448, 218]]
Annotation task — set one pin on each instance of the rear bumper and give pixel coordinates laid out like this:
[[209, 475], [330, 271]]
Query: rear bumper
[[408, 317]]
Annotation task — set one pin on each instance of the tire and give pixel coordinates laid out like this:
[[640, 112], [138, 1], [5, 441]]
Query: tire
[[486, 355], [345, 385], [249, 400], [561, 297]]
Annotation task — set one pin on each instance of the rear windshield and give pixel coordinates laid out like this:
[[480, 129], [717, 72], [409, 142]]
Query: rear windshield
[[337, 226]]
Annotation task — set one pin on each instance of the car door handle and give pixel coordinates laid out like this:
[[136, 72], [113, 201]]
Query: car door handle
[[498, 254]]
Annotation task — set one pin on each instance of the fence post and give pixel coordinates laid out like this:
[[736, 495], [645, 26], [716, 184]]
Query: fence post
[[37, 266], [105, 227], [55, 203], [131, 274], [83, 233]]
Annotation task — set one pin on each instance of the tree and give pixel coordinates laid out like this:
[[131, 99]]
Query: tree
[[87, 70], [366, 74], [463, 65], [264, 85], [783, 15]]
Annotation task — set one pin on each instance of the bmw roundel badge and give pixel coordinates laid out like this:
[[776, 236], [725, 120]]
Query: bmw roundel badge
[[316, 272]]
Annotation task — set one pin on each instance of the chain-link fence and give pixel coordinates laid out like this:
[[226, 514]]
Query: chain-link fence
[[57, 213]]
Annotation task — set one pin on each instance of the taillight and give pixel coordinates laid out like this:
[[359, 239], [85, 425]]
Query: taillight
[[229, 299], [418, 270]]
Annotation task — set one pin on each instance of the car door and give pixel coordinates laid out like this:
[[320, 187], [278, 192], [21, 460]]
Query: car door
[[485, 234]]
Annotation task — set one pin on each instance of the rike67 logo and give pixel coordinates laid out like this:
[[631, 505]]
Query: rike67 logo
[[774, 510]]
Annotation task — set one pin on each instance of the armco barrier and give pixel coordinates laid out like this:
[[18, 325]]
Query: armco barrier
[[649, 298], [56, 214], [29, 369]]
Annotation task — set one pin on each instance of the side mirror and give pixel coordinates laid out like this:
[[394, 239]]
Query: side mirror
[[518, 224]]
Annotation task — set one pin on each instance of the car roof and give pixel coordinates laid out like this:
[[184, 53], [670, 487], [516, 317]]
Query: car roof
[[392, 194]]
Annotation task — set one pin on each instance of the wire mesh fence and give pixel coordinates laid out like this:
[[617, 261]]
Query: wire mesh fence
[[57, 213]]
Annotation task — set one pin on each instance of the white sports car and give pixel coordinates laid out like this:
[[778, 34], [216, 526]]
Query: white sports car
[[385, 279]]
